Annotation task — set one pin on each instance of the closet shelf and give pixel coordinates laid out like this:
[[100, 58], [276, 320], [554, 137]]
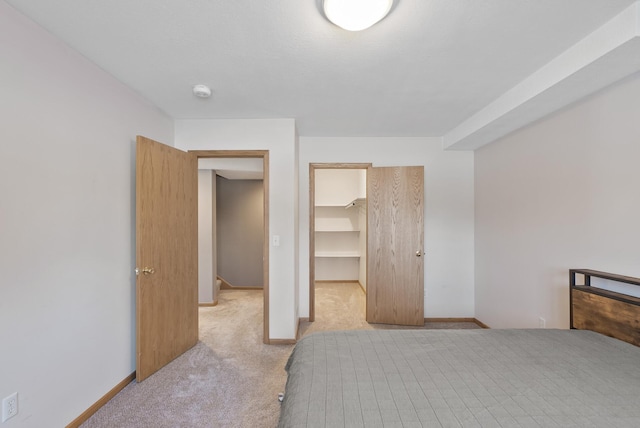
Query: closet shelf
[[337, 230], [355, 202], [338, 254]]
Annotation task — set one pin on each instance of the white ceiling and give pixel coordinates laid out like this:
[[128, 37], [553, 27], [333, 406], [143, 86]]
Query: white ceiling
[[439, 68]]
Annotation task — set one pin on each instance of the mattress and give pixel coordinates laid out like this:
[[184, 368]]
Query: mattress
[[462, 378]]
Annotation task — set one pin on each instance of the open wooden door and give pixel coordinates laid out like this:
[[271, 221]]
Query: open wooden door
[[166, 255], [395, 262]]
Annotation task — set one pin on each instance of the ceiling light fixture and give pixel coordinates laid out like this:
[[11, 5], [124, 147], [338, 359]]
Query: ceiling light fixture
[[202, 91], [356, 15]]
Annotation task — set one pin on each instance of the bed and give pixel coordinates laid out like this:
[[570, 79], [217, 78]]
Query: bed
[[475, 378]]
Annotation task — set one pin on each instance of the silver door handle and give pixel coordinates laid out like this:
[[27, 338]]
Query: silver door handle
[[419, 253]]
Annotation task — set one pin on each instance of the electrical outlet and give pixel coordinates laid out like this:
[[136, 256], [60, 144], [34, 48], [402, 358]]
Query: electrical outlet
[[542, 323], [9, 406]]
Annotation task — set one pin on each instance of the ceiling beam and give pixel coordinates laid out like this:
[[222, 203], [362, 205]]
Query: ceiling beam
[[607, 55]]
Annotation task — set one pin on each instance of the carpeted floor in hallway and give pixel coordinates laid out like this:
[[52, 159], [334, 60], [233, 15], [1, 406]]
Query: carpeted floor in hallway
[[230, 378]]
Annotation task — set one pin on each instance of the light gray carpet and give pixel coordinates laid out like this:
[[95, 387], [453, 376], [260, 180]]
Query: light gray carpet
[[230, 378], [342, 306]]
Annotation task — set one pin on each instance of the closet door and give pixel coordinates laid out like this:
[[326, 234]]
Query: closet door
[[395, 257]]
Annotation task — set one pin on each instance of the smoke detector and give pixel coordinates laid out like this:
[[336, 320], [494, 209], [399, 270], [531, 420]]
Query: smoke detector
[[202, 91]]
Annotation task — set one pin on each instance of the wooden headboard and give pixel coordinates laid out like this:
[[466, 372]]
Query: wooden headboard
[[606, 312]]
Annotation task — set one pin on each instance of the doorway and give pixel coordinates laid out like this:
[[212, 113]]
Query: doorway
[[335, 221], [264, 156], [394, 273]]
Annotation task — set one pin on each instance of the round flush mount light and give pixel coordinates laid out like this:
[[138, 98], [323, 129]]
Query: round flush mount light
[[356, 15], [202, 91]]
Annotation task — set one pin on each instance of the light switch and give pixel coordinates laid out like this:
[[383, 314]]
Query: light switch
[[276, 240]]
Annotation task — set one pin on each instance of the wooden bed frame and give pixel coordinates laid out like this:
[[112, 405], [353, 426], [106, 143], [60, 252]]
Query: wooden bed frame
[[607, 312]]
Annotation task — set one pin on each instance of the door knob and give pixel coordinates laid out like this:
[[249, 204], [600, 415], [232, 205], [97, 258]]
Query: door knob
[[145, 271], [419, 253]]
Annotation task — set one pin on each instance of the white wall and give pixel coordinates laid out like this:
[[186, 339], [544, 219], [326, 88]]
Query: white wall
[[296, 228], [279, 137], [337, 186], [207, 269], [562, 193], [448, 212], [67, 215]]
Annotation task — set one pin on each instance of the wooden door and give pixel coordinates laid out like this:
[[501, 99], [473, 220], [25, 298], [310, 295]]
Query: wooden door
[[166, 255], [395, 258]]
